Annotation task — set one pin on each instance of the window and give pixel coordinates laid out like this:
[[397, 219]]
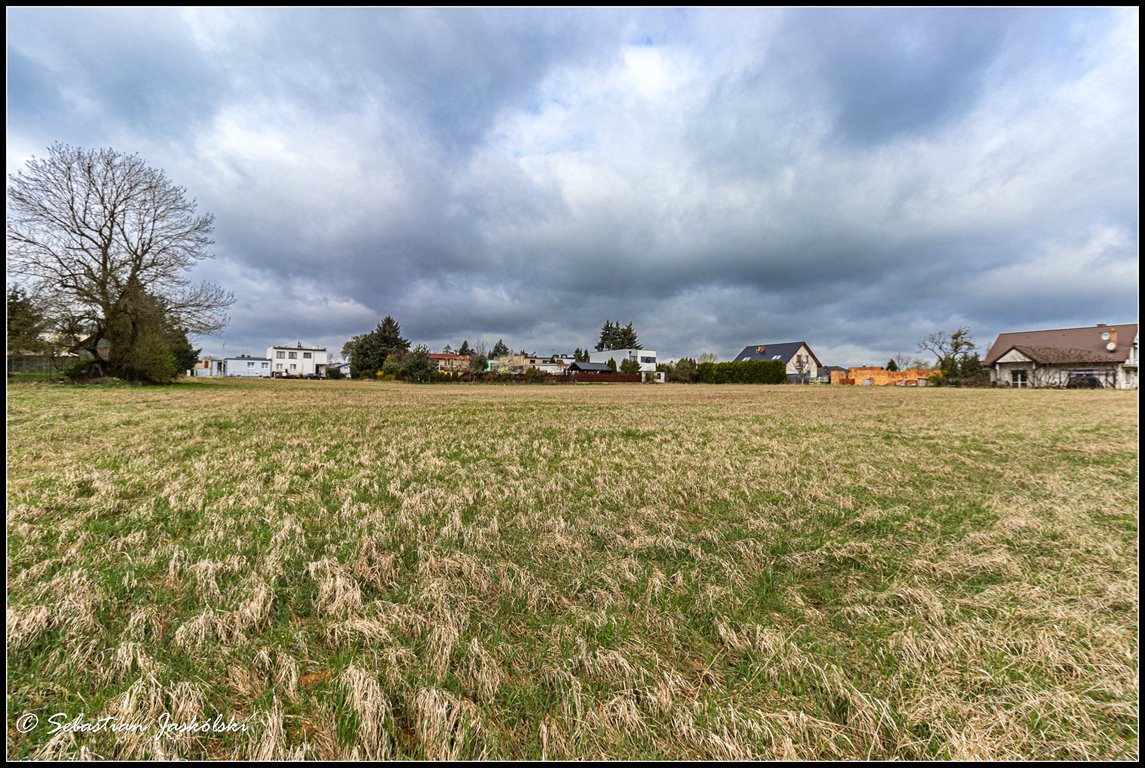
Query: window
[[1020, 378], [293, 367], [647, 359], [250, 365], [280, 355], [305, 355], [266, 365], [293, 356], [278, 366]]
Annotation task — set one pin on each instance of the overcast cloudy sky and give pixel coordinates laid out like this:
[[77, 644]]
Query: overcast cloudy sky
[[853, 178]]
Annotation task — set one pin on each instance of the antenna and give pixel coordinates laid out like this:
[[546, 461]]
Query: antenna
[[1105, 335]]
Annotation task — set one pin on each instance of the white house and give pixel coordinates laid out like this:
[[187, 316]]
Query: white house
[[646, 357], [1095, 356], [297, 360], [246, 366], [802, 365]]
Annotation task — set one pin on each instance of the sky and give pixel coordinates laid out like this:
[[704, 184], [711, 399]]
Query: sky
[[853, 178]]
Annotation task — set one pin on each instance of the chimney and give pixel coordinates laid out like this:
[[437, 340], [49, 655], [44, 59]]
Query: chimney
[[759, 349]]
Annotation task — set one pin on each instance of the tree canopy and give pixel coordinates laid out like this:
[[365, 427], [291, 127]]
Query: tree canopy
[[26, 321], [613, 336], [368, 351], [958, 361], [108, 241]]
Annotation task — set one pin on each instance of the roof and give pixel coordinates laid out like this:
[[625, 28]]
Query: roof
[[443, 356], [299, 347], [1067, 345], [783, 352], [591, 367]]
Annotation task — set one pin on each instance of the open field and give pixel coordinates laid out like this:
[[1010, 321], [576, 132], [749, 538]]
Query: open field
[[354, 569]]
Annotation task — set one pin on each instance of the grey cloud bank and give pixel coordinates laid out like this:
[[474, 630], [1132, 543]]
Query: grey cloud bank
[[852, 178]]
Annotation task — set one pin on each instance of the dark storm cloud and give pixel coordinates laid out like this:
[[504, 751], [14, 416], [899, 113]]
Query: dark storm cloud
[[852, 178], [888, 72]]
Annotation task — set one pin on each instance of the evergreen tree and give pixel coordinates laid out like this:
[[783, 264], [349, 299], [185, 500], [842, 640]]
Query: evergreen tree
[[499, 350], [607, 337], [892, 365], [465, 349], [185, 355], [368, 351], [25, 323], [418, 366], [626, 338], [613, 336], [629, 366]]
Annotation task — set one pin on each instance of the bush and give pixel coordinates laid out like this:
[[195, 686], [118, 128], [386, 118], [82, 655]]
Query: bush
[[534, 376], [744, 372], [83, 370]]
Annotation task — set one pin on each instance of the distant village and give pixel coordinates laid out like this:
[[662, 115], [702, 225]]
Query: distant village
[[1099, 356]]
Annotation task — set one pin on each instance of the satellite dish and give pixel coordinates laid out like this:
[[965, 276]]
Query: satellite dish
[[1111, 346], [1105, 335]]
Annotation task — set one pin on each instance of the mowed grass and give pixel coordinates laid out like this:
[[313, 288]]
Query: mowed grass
[[367, 570]]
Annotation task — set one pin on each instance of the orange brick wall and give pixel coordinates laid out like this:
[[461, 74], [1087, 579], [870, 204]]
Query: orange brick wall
[[880, 377]]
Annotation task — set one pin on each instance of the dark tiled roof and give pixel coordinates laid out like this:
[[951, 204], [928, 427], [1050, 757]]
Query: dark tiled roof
[[783, 352], [591, 367], [1066, 345]]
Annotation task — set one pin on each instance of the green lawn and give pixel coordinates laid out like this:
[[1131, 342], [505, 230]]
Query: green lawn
[[374, 570]]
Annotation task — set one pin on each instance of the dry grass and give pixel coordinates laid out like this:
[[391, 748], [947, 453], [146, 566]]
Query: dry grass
[[369, 571]]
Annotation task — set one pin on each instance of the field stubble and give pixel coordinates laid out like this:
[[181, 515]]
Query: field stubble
[[361, 570]]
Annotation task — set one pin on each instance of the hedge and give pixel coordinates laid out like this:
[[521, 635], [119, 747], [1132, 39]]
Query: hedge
[[744, 372]]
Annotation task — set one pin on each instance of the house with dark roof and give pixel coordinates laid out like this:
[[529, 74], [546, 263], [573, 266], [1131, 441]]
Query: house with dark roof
[[579, 367], [802, 365], [1095, 356]]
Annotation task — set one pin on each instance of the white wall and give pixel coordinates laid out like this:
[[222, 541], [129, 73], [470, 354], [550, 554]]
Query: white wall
[[247, 367], [305, 361], [619, 355]]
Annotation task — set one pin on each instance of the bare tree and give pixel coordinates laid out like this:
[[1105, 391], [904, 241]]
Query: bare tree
[[96, 229], [802, 366], [708, 357], [905, 362], [950, 348]]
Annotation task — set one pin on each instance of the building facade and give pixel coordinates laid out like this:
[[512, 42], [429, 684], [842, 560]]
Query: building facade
[[1100, 356], [646, 357], [297, 360]]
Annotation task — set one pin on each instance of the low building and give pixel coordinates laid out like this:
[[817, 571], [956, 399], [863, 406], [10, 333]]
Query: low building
[[590, 368], [1102, 356], [554, 366], [207, 367], [802, 364], [246, 366], [297, 360]]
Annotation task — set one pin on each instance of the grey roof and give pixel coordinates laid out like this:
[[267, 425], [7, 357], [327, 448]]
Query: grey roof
[[591, 367], [782, 352]]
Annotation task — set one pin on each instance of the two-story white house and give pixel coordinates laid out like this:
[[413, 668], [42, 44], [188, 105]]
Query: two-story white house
[[646, 357], [297, 360]]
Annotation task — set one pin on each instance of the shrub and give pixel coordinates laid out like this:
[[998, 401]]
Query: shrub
[[744, 372]]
